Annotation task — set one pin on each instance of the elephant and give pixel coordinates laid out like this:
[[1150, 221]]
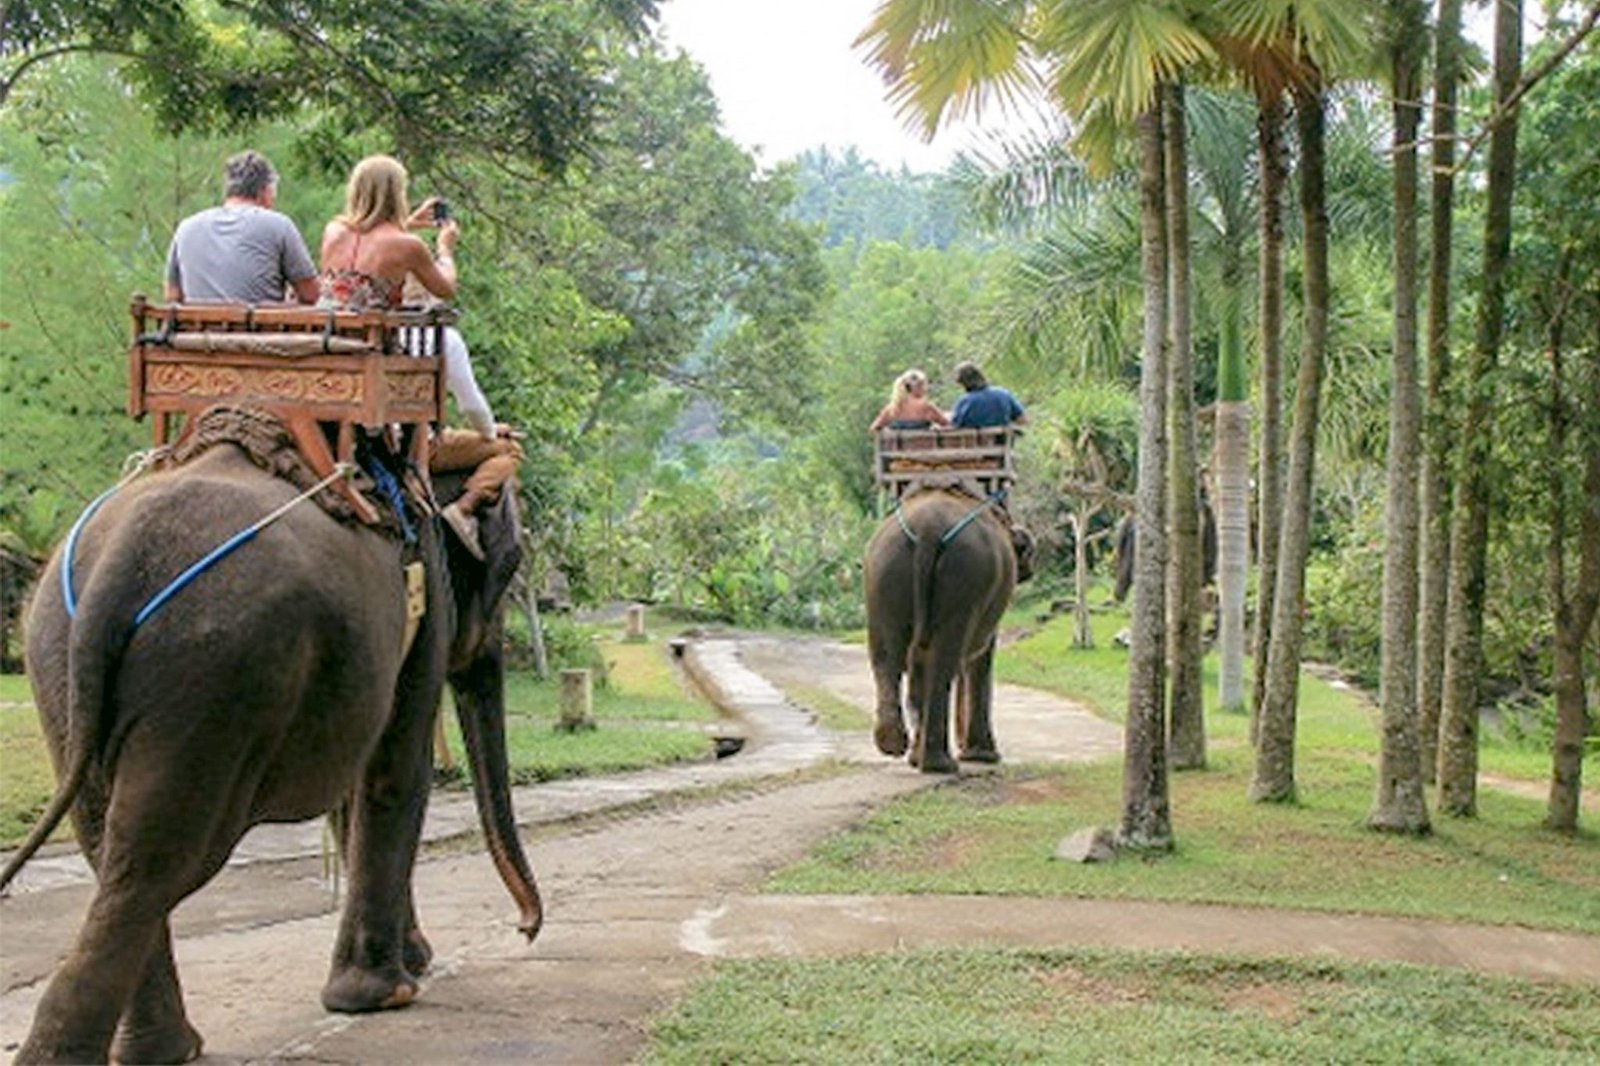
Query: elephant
[[273, 688], [939, 574]]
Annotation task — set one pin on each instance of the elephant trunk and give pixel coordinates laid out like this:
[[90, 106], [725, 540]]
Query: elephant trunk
[[480, 706]]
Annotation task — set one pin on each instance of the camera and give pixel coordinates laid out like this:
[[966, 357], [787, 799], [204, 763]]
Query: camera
[[441, 210]]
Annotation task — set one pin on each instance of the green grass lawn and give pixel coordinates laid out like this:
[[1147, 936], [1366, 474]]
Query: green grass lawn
[[989, 834], [26, 779], [1330, 715], [1117, 1006], [645, 717]]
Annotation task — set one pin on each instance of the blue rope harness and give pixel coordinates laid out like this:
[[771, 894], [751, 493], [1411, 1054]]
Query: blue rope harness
[[954, 531], [389, 485], [194, 570]]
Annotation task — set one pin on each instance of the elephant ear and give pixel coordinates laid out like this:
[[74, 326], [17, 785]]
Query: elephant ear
[[500, 528], [1022, 545]]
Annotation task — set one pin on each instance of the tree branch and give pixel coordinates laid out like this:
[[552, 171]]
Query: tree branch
[[1533, 77], [10, 81]]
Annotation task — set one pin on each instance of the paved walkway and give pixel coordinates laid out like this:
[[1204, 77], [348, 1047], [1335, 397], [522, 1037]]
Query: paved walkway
[[640, 906]]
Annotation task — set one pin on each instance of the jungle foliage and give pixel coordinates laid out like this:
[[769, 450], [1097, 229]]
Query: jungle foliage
[[695, 345]]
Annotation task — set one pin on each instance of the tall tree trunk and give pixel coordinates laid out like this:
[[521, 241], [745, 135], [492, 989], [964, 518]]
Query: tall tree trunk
[[1573, 612], [1273, 781], [1232, 465], [1469, 522], [1269, 481], [1082, 632], [1187, 739], [1146, 812], [1399, 804], [1434, 565]]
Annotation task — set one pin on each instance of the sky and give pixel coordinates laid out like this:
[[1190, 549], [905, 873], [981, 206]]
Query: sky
[[787, 79]]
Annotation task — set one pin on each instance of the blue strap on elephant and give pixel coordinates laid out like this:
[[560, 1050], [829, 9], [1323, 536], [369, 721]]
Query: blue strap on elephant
[[390, 487], [954, 531], [970, 517], [206, 562]]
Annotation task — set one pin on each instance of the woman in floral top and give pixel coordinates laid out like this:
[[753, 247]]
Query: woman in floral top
[[367, 253]]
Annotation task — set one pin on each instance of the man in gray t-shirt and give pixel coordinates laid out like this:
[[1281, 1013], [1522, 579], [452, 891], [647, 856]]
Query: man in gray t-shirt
[[243, 250]]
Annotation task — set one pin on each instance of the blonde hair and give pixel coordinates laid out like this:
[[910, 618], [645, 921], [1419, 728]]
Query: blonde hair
[[907, 384], [376, 193]]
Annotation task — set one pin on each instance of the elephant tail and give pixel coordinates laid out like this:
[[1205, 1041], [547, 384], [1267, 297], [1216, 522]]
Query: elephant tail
[[924, 557], [95, 642]]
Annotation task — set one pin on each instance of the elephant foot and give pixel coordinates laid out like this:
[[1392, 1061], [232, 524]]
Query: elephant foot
[[416, 953], [357, 991], [937, 763], [891, 739], [169, 1045], [980, 755]]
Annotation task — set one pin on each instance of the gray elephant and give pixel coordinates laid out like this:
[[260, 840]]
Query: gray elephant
[[272, 688], [939, 574]]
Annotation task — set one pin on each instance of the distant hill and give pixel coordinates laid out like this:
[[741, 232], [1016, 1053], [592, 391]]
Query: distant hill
[[857, 201]]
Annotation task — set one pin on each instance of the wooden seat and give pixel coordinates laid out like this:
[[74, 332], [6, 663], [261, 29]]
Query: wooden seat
[[978, 462], [309, 367]]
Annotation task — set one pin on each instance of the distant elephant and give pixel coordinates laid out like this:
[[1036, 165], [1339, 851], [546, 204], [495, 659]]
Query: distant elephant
[[939, 574], [271, 689]]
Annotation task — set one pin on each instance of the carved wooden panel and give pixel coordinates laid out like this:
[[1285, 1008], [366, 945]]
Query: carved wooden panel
[[203, 381]]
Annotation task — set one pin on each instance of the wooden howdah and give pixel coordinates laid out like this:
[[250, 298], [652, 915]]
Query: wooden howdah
[[979, 462], [323, 373]]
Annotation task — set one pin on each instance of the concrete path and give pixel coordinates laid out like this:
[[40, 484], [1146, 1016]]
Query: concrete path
[[639, 905]]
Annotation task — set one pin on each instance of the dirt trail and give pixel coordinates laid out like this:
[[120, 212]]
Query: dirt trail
[[639, 905]]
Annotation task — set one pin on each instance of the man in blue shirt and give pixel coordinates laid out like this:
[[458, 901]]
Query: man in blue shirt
[[984, 405]]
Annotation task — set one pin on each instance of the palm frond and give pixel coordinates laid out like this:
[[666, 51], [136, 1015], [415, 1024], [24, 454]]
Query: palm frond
[[948, 59], [1115, 52]]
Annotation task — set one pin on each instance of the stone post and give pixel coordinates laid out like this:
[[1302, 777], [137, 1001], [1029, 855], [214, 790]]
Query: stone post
[[577, 701], [635, 622]]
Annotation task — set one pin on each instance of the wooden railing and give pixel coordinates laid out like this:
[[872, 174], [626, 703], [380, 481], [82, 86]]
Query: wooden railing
[[979, 462], [323, 373]]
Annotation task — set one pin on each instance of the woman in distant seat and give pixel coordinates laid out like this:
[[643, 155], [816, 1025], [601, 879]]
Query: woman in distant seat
[[908, 406], [367, 254]]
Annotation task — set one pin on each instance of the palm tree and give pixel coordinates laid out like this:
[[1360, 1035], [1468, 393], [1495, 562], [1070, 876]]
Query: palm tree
[[1146, 814], [1274, 45], [1273, 780], [1224, 128], [1434, 551], [1469, 521], [1106, 62], [1399, 804], [1187, 730], [1269, 482]]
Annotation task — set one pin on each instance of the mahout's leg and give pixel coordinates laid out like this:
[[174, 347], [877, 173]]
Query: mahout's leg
[[886, 646], [369, 969], [977, 729]]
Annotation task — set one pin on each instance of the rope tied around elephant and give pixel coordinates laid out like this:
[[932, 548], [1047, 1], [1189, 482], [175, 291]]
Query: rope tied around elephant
[[954, 531], [200, 566]]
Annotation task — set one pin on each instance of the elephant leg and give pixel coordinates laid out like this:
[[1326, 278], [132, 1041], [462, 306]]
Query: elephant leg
[[154, 1027], [932, 749], [886, 646], [963, 708], [417, 952], [121, 968], [78, 1014], [369, 968], [976, 725]]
